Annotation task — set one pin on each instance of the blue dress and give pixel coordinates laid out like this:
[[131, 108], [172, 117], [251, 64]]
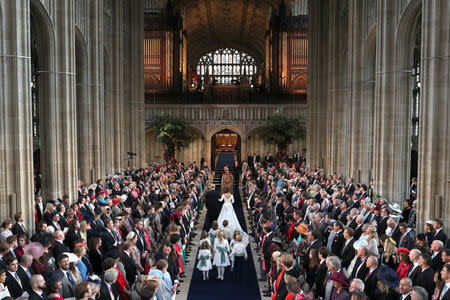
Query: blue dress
[[82, 269]]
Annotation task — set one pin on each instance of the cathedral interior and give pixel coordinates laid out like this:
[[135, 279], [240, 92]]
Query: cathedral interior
[[81, 80]]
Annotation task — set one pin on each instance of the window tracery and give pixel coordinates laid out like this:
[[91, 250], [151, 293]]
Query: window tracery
[[226, 66]]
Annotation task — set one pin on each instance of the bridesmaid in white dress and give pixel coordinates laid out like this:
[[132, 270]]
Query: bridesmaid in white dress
[[221, 252], [204, 259]]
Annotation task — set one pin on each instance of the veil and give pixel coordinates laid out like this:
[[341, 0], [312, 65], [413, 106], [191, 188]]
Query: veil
[[228, 213]]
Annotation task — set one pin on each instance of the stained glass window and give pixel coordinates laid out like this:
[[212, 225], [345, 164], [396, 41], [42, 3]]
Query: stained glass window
[[226, 66]]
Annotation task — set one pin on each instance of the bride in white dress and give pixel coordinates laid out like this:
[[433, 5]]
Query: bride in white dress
[[228, 213]]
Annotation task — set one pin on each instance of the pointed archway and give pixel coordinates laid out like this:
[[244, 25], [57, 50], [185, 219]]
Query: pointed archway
[[225, 141]]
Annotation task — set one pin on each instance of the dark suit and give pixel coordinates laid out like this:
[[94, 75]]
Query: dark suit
[[446, 296], [396, 235], [104, 291], [71, 238], [441, 236], [59, 248], [425, 279], [17, 229], [338, 243], [13, 286], [347, 254], [96, 261], [24, 278], [108, 240], [413, 273], [314, 245], [213, 205], [436, 262], [321, 279], [130, 268], [407, 241], [39, 213], [360, 270], [357, 233], [382, 226], [35, 296], [370, 282]]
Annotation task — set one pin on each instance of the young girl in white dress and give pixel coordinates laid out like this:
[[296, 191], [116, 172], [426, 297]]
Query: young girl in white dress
[[205, 238], [221, 249], [204, 260], [213, 232], [237, 256]]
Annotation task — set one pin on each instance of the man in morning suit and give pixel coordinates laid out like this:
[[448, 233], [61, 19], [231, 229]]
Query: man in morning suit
[[444, 293], [212, 203], [439, 233], [371, 280], [405, 288], [108, 287], [338, 240], [37, 286], [13, 282], [348, 253], [414, 269], [425, 278]]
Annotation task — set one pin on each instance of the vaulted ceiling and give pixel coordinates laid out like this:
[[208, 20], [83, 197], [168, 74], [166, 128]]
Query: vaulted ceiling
[[239, 24]]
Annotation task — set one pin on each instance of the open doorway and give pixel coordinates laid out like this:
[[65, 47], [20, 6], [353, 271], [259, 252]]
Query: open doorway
[[225, 141]]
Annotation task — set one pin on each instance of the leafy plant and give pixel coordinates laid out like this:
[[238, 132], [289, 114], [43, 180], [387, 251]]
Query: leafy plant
[[283, 131], [173, 133]]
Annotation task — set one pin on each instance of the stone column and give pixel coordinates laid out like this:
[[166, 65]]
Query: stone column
[[117, 85], [136, 105], [337, 136], [434, 136], [317, 80], [16, 143], [63, 13], [96, 88]]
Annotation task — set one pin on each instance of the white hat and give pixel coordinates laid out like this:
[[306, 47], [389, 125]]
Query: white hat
[[359, 243], [72, 257], [395, 207]]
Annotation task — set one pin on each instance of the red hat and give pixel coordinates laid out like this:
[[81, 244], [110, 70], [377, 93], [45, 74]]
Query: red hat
[[102, 192], [338, 277], [92, 197], [403, 249], [116, 200]]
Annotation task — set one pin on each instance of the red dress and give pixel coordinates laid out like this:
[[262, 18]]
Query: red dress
[[122, 284], [277, 283], [56, 298], [403, 269]]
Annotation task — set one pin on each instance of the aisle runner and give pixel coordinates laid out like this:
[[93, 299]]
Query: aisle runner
[[228, 289]]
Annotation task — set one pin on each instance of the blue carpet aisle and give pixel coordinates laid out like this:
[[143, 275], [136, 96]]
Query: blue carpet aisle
[[228, 289]]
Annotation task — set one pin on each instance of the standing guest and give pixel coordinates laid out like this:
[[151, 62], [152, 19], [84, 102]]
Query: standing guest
[[388, 282], [348, 253], [4, 292], [372, 240], [39, 209], [37, 286], [357, 285], [419, 293], [339, 291], [95, 254], [80, 251], [321, 276], [24, 270], [83, 291], [371, 280], [439, 233], [6, 228], [134, 251], [407, 240], [444, 292], [312, 267], [389, 256], [68, 280], [405, 262], [73, 234], [108, 287], [414, 269], [429, 231], [59, 247], [22, 241], [47, 216], [436, 256], [405, 288], [19, 226], [437, 290], [422, 243], [425, 278], [122, 284], [13, 282], [54, 285], [128, 262]]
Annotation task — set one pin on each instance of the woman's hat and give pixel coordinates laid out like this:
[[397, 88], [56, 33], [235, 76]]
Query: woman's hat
[[34, 249], [302, 228], [52, 277], [72, 257], [429, 222], [359, 243], [338, 277], [388, 276], [403, 249], [116, 200], [395, 207]]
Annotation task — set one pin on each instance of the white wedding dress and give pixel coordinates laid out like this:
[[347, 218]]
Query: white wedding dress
[[228, 213]]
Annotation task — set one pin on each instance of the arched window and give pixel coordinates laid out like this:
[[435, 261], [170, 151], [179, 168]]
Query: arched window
[[226, 66]]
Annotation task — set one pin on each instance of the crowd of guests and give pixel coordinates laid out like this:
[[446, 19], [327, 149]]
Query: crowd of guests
[[323, 236], [127, 236]]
